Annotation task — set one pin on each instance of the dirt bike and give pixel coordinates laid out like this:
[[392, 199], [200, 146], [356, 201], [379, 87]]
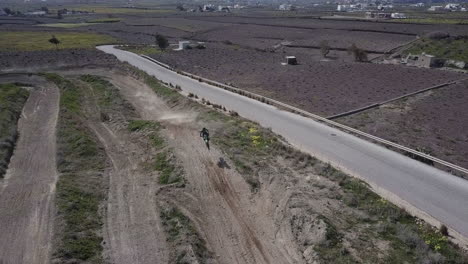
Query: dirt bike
[[206, 138]]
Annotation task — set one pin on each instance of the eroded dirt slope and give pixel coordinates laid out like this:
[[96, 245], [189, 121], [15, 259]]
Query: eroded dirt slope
[[132, 226], [292, 209], [217, 199], [27, 192]]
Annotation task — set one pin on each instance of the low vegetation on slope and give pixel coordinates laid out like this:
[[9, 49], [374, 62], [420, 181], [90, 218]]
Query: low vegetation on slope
[[81, 184], [12, 100], [145, 50], [29, 41], [356, 218], [108, 98], [111, 103], [447, 48], [164, 161], [334, 217], [190, 248]]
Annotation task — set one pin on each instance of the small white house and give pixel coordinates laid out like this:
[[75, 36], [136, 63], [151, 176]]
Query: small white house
[[183, 45], [36, 13], [398, 15], [286, 7], [209, 8], [435, 8], [343, 8], [291, 60], [223, 9], [452, 7]]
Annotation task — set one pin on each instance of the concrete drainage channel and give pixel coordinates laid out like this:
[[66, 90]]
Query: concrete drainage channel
[[295, 110]]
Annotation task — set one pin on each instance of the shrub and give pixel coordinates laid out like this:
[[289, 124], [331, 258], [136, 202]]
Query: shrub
[[162, 42], [438, 35], [324, 48], [408, 236], [443, 230], [360, 55]]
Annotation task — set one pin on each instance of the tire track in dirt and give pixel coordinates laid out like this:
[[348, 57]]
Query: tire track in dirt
[[221, 205], [27, 194], [132, 229], [233, 230]]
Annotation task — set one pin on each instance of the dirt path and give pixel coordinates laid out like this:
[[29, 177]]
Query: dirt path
[[132, 231], [217, 199], [27, 192]]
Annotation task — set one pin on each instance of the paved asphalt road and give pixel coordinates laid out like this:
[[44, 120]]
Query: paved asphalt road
[[437, 193]]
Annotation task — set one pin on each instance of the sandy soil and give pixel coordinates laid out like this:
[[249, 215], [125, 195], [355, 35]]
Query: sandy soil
[[284, 221], [237, 232], [27, 192], [132, 229]]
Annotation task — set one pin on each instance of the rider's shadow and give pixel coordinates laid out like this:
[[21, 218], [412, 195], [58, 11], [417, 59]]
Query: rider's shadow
[[223, 164]]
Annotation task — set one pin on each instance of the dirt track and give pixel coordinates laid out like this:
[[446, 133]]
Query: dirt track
[[27, 193], [132, 229], [218, 200]]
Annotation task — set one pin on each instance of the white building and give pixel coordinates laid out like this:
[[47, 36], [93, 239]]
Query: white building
[[343, 8], [286, 7], [36, 13], [452, 7], [398, 15], [223, 9], [183, 45], [435, 8], [209, 8]]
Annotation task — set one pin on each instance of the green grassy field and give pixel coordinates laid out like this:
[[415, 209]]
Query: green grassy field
[[110, 10], [65, 25], [105, 20], [88, 23], [433, 20], [29, 41], [455, 49]]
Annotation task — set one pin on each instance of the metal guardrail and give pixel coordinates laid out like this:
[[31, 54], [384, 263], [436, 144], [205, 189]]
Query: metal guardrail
[[313, 116]]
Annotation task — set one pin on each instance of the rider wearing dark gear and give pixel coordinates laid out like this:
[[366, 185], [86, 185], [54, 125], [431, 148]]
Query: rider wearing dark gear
[[205, 134]]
